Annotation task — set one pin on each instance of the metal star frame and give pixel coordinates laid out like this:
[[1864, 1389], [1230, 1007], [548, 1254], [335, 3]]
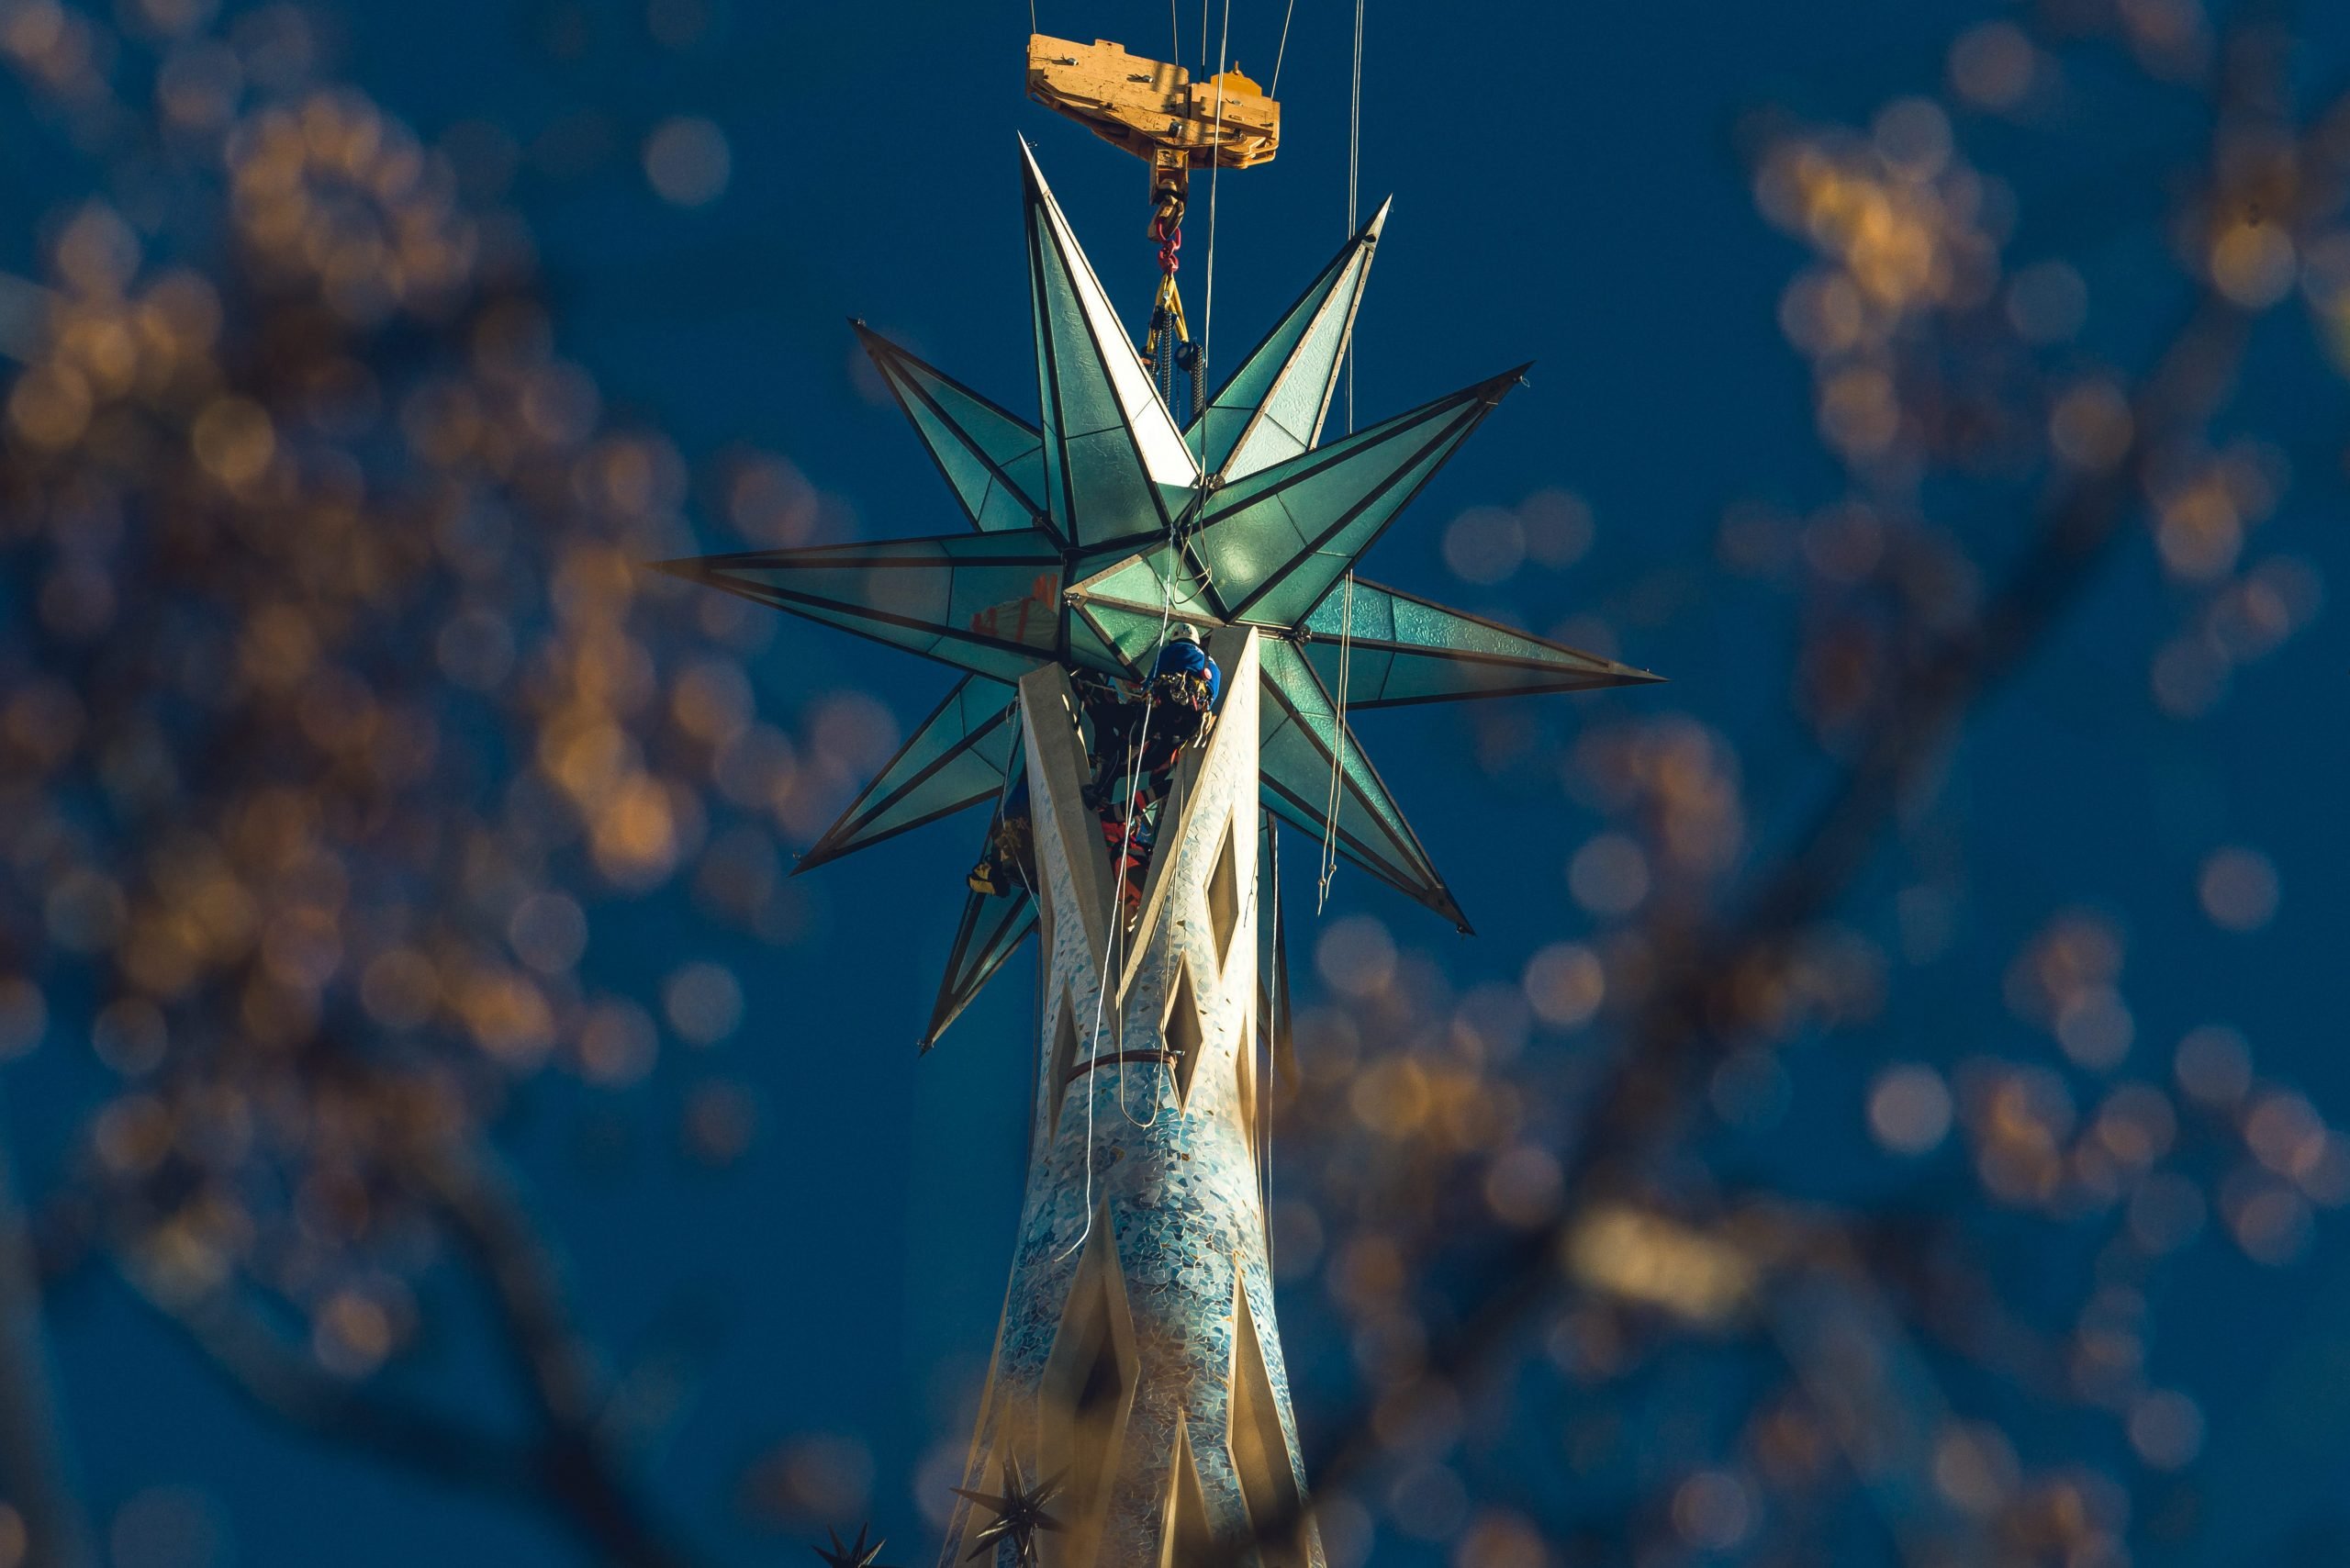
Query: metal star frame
[[1089, 527], [1019, 1513], [857, 1556]]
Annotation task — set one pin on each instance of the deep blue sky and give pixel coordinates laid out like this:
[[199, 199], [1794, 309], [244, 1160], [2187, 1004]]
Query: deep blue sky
[[1565, 192]]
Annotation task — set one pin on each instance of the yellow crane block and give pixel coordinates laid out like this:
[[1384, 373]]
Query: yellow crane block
[[1155, 110]]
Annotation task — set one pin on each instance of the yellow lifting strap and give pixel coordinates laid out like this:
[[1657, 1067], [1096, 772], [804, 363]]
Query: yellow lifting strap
[[1166, 315]]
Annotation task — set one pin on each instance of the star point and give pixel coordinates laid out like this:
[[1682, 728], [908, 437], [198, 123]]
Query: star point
[[1019, 1511], [856, 1556], [1088, 527]]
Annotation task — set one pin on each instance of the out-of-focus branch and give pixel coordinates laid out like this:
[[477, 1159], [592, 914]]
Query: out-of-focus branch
[[577, 1468], [258, 1363], [23, 303], [564, 1465], [32, 1468], [1694, 1011], [1699, 1002], [560, 1466]]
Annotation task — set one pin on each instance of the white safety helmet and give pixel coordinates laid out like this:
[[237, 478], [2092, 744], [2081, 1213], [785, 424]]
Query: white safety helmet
[[1182, 632]]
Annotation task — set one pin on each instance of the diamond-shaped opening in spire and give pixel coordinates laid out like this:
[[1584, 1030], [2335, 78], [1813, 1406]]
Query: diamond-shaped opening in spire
[[1183, 1034], [1189, 1539], [1224, 896], [1088, 1387], [1245, 1068], [1260, 1449], [1064, 1064]]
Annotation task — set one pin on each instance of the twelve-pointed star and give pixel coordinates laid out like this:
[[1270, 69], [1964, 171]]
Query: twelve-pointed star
[[1019, 1511], [1089, 527], [857, 1556]]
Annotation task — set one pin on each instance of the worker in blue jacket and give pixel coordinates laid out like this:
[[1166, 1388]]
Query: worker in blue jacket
[[1170, 712], [1136, 737]]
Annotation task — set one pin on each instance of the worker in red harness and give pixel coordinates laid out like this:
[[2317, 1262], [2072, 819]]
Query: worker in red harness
[[1137, 743], [1136, 737]]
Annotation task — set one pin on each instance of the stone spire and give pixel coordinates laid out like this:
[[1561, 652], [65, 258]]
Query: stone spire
[[1137, 1361]]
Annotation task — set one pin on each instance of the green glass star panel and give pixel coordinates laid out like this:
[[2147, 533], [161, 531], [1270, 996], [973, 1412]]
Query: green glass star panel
[[1271, 544], [1405, 649], [988, 602], [1300, 729], [992, 931], [1093, 530], [955, 760], [1128, 607], [1112, 455], [1274, 406], [993, 461]]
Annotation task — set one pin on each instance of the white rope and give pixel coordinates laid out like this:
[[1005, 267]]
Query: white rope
[[1215, 169], [1337, 744], [1282, 53], [1354, 205], [1134, 779]]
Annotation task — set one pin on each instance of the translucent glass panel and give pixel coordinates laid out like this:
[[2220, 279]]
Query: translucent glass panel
[[955, 760], [1110, 444], [1408, 650], [992, 931], [1273, 543], [1127, 608], [993, 461], [989, 603], [1133, 635], [1298, 733], [1290, 374]]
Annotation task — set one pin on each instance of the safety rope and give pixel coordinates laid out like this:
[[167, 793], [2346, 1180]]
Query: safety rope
[[1337, 744], [1347, 612], [1282, 53], [1354, 205], [1126, 849], [1216, 171]]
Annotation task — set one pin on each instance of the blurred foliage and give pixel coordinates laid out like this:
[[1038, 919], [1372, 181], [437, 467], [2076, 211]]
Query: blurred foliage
[[334, 719], [333, 712], [1697, 1352]]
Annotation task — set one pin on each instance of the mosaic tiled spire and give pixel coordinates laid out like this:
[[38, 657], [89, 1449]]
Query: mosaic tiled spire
[[1088, 527], [1138, 1362]]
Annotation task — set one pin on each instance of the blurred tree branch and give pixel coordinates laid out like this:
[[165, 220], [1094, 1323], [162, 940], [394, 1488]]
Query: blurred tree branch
[[1710, 978], [32, 1464], [565, 1466], [330, 709]]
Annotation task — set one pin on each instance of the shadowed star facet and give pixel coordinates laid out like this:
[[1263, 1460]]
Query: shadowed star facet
[[1088, 527], [857, 1556], [1019, 1511]]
